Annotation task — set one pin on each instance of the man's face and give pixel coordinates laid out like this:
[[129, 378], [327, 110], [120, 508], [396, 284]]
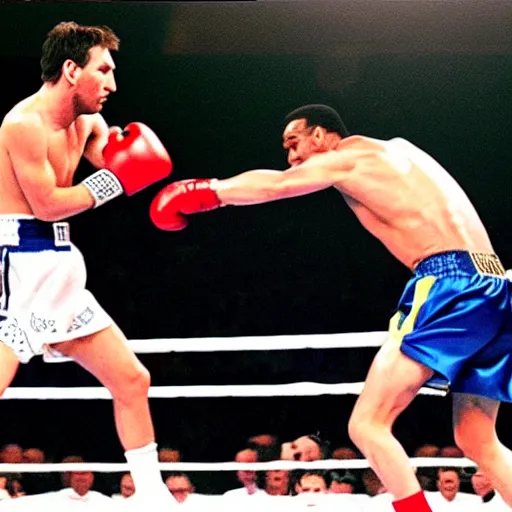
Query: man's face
[[276, 482], [341, 488], [448, 483], [12, 454], [298, 142], [246, 477], [311, 484], [33, 455], [302, 448], [180, 487], [81, 482], [481, 484], [96, 81]]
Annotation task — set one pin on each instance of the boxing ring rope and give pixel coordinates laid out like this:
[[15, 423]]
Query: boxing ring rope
[[108, 467], [252, 343], [247, 390], [227, 344]]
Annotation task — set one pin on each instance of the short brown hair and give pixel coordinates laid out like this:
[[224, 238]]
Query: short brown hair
[[69, 40]]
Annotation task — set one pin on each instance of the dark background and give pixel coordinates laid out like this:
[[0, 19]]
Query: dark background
[[214, 80]]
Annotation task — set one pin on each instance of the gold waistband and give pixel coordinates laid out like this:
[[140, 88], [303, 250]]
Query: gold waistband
[[487, 264]]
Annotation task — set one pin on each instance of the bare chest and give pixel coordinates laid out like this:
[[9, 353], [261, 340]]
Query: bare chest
[[65, 149]]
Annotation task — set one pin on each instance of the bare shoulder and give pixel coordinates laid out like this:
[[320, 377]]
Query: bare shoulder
[[354, 151], [376, 152], [90, 122], [23, 126], [23, 112]]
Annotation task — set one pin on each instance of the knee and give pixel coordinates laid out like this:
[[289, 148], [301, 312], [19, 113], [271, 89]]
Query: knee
[[359, 429], [474, 445], [132, 384], [468, 448]]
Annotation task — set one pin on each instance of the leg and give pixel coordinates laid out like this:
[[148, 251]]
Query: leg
[[392, 383], [107, 356], [474, 424], [8, 367]]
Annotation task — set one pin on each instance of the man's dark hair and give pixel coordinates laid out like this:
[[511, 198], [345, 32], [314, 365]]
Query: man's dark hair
[[69, 40], [445, 469], [319, 115], [300, 474], [343, 478], [322, 444]]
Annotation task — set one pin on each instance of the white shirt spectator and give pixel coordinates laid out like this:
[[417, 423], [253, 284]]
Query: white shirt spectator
[[243, 492], [461, 502], [4, 495], [64, 500], [496, 502]]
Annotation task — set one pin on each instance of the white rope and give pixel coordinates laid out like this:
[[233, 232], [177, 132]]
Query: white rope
[[108, 467], [251, 390], [245, 343]]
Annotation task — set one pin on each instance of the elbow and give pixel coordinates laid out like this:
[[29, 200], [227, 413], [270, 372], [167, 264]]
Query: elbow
[[45, 214], [44, 210]]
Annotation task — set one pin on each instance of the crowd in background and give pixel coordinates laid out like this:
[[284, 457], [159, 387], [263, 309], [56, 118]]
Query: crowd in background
[[354, 490]]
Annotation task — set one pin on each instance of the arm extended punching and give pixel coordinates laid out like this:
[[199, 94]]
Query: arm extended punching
[[251, 187]]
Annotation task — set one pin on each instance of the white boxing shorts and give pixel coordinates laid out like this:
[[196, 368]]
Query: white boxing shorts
[[43, 299]]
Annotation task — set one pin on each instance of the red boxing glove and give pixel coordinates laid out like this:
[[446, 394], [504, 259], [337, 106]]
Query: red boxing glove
[[182, 197], [134, 159]]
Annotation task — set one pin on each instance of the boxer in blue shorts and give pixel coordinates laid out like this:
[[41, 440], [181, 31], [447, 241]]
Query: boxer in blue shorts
[[454, 322], [44, 306]]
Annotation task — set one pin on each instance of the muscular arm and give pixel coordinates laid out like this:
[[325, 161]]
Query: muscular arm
[[261, 186], [97, 141], [28, 150]]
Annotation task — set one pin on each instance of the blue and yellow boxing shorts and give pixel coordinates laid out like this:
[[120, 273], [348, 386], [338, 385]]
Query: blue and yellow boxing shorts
[[455, 317]]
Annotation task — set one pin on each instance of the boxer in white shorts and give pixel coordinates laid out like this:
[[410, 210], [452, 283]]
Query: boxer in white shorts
[[44, 306], [36, 313]]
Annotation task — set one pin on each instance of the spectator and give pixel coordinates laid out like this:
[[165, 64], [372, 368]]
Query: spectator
[[183, 490], [126, 487], [4, 493], [266, 445], [311, 488], [490, 498], [15, 487], [305, 448], [79, 490], [448, 485], [38, 483], [263, 440], [33, 456], [427, 450], [347, 453], [451, 452], [344, 453], [11, 454], [277, 482], [372, 483], [246, 477], [167, 454], [342, 484], [427, 476]]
